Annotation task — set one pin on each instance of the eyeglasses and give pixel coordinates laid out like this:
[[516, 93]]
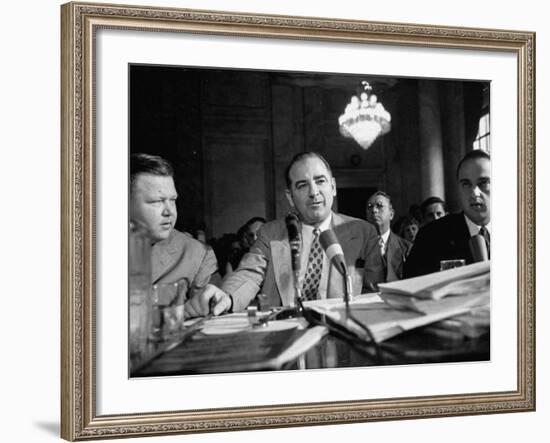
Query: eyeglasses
[[378, 206]]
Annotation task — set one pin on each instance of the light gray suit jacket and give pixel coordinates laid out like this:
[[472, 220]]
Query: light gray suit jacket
[[182, 258], [266, 268]]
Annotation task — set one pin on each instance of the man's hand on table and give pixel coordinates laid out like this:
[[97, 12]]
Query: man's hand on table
[[211, 300]]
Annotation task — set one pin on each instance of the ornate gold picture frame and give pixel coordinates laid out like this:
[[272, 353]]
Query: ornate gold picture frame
[[79, 396]]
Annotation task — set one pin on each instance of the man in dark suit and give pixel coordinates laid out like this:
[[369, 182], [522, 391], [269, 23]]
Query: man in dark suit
[[448, 238], [176, 257], [393, 249], [266, 268]]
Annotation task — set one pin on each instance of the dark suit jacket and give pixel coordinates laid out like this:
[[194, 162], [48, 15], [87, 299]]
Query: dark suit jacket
[[443, 239], [397, 250], [266, 268], [181, 257]]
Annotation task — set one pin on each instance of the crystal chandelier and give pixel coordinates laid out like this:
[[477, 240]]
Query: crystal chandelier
[[364, 118]]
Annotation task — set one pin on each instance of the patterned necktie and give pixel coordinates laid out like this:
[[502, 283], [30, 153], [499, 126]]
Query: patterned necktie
[[314, 268], [487, 236]]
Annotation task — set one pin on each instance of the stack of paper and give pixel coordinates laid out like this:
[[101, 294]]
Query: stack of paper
[[415, 302], [457, 281]]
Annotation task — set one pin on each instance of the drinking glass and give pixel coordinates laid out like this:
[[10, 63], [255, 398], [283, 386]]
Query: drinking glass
[[168, 309]]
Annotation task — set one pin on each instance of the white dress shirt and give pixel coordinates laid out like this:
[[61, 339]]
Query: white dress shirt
[[385, 237], [473, 228]]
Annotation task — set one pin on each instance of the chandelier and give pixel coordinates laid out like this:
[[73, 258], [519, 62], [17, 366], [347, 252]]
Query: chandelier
[[364, 118]]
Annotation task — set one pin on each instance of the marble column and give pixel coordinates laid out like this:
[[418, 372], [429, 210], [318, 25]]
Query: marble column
[[432, 173], [454, 138]]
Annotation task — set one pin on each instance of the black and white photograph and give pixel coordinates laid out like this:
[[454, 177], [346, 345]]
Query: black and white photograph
[[286, 220], [274, 221]]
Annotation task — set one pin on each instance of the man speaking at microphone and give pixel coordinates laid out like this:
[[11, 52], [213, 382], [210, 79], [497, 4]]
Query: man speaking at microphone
[[267, 267], [458, 236]]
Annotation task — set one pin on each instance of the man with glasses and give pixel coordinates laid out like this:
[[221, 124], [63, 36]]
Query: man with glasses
[[393, 249]]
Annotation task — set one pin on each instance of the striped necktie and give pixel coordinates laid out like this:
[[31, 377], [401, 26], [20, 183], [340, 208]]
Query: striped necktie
[[312, 278]]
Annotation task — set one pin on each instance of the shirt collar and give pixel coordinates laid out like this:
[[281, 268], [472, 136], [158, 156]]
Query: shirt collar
[[322, 227], [473, 228], [385, 236]]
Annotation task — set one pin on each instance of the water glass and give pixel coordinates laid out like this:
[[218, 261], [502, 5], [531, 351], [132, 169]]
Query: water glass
[[450, 264]]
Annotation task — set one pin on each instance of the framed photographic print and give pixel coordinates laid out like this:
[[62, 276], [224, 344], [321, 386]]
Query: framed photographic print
[[228, 100]]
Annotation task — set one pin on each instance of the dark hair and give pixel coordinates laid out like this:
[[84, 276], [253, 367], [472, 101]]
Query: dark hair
[[254, 220], [408, 220], [243, 228], [141, 163], [472, 155], [430, 201], [382, 194], [299, 157]]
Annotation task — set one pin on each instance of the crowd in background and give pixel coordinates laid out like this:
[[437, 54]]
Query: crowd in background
[[231, 247]]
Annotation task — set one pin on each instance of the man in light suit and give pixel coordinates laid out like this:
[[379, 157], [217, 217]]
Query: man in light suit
[[393, 249], [448, 237], [266, 268], [175, 257]]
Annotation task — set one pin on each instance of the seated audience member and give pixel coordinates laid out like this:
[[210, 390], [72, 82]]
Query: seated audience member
[[448, 238], [246, 236], [393, 249], [409, 229], [175, 256], [250, 232], [433, 208], [266, 268], [415, 212]]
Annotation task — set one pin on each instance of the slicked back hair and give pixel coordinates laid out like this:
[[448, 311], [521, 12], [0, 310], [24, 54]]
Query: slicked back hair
[[382, 194], [430, 201], [472, 155], [142, 163], [299, 157]]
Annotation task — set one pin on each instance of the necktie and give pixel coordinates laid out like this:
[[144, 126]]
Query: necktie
[[487, 236], [314, 268], [381, 244], [383, 256]]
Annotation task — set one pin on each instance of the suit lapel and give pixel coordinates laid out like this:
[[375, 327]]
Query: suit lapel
[[394, 255], [164, 255], [280, 254]]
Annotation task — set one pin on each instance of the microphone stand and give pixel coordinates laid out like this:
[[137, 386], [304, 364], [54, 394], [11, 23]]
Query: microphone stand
[[298, 294]]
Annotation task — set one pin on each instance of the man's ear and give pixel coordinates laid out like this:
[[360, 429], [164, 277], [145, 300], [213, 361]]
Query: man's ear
[[333, 186], [289, 198]]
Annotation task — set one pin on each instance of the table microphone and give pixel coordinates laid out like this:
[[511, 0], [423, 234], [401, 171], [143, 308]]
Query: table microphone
[[334, 251], [294, 229], [335, 254], [294, 239], [478, 248]]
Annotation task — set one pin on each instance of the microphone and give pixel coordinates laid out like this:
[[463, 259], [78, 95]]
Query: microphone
[[334, 251], [478, 248], [335, 254], [295, 240]]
